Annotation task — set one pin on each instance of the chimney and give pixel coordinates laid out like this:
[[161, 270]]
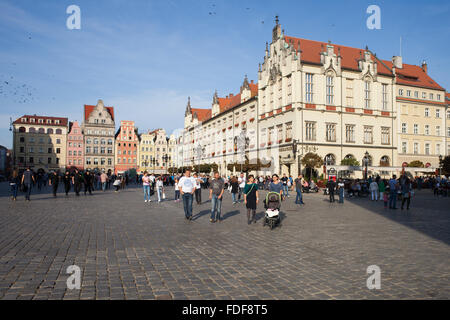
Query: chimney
[[424, 66], [251, 81], [231, 95], [397, 62]]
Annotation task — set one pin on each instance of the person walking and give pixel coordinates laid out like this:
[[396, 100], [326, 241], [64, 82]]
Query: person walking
[[331, 186], [160, 188], [285, 180], [381, 188], [146, 186], [76, 181], [276, 186], [177, 191], [341, 190], [251, 198], [393, 187], [54, 182], [14, 182], [198, 189], [298, 188], [187, 189], [406, 189], [234, 189], [373, 188], [241, 181], [67, 179], [88, 181], [103, 180], [27, 182], [117, 183], [216, 190]]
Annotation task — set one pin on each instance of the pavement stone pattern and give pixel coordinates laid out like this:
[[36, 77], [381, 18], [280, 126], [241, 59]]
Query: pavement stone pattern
[[129, 249]]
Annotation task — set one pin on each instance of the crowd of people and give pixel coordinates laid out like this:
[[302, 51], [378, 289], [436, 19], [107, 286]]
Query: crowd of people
[[243, 188]]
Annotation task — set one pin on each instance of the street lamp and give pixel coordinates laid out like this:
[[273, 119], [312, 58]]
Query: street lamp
[[366, 162], [165, 159], [294, 151], [440, 165]]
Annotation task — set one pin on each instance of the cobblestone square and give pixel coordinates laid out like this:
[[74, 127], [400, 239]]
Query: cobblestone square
[[128, 249]]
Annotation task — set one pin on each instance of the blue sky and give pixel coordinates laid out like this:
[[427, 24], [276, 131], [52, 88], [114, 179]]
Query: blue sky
[[146, 57]]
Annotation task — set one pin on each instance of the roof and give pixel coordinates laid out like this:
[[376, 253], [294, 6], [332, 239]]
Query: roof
[[232, 101], [63, 122], [310, 52], [88, 110], [408, 75], [413, 75], [202, 114]]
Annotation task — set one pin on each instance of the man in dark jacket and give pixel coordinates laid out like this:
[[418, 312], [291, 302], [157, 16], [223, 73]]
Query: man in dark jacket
[[67, 179], [54, 182], [331, 185], [76, 180], [88, 182]]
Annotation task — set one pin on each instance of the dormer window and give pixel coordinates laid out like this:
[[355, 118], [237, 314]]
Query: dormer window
[[23, 120]]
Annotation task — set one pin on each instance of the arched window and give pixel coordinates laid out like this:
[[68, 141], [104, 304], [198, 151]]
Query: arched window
[[41, 130], [32, 130], [103, 141], [22, 129], [58, 131], [49, 131], [330, 160], [110, 142], [384, 161], [349, 156]]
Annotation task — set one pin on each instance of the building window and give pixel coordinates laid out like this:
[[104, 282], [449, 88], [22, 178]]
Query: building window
[[385, 135], [438, 113], [416, 94], [404, 147], [330, 160], [349, 92], [330, 90], [350, 133], [424, 95], [331, 132], [310, 131], [416, 147], [289, 131], [88, 161], [427, 148], [400, 92], [431, 96], [438, 149], [384, 96], [367, 94], [438, 130], [404, 128], [368, 134], [416, 129], [309, 87], [427, 112], [408, 93], [279, 133], [427, 129]]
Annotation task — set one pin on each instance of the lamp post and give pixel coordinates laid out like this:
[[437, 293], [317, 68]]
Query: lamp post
[[440, 165], [366, 162], [165, 159], [294, 151]]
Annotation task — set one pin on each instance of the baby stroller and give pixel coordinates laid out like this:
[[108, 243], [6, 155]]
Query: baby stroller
[[272, 204]]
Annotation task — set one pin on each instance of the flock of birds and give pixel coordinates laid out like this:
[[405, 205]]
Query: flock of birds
[[213, 12], [17, 92]]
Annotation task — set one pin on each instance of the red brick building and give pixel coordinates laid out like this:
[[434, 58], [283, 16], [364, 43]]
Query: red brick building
[[127, 143]]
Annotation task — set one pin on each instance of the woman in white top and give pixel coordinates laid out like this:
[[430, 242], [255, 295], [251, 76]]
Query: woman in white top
[[198, 189], [159, 188]]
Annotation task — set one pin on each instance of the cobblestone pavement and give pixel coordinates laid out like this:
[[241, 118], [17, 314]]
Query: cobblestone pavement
[[128, 249]]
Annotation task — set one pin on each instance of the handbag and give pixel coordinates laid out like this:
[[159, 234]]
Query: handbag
[[164, 195]]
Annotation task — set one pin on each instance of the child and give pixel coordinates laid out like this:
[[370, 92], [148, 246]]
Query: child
[[386, 198], [177, 191]]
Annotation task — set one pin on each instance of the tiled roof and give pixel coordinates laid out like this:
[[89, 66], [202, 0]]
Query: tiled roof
[[232, 101], [63, 122], [88, 110], [202, 114], [409, 74], [413, 76], [310, 52]]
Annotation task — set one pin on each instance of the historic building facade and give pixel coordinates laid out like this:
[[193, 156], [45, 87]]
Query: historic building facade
[[75, 147], [224, 135], [157, 152], [335, 101], [98, 129], [127, 144], [40, 142]]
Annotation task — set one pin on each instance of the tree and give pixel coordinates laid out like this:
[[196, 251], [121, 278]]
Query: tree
[[350, 162], [416, 164], [445, 164], [311, 161]]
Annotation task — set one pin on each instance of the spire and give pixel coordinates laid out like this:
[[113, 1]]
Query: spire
[[215, 98], [277, 21], [188, 107]]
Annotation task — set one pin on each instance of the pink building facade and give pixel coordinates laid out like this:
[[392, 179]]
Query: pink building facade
[[75, 147]]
